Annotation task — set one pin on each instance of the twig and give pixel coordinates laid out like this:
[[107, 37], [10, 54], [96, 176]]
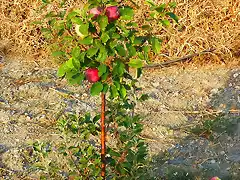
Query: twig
[[182, 59]]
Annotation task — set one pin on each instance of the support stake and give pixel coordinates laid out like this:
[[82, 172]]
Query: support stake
[[103, 137]]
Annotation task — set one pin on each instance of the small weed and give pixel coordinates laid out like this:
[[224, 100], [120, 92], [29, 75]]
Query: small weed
[[179, 173], [218, 125]]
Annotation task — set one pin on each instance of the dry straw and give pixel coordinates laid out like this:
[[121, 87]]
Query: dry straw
[[204, 24]]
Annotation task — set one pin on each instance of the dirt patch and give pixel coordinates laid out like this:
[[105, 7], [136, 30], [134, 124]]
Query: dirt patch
[[32, 98]]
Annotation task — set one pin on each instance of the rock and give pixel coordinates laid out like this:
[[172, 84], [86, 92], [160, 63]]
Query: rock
[[3, 117], [213, 161], [235, 75], [3, 148], [155, 84], [222, 152]]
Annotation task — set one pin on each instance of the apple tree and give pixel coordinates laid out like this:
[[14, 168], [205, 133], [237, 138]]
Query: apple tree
[[106, 43]]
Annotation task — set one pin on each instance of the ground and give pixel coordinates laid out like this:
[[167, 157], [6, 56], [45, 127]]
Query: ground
[[181, 99]]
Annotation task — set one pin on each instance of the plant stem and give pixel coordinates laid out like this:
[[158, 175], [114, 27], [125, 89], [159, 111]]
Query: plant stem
[[103, 137]]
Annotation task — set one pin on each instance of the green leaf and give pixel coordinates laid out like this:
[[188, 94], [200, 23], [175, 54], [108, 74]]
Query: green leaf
[[150, 2], [114, 153], [105, 88], [103, 22], [172, 4], [113, 91], [131, 50], [156, 45], [173, 16], [82, 56], [68, 38], [146, 50], [124, 137], [86, 41], [87, 118], [123, 91], [70, 74], [96, 118], [117, 84], [105, 37], [154, 14], [52, 22], [76, 63], [139, 40], [161, 8], [61, 70], [71, 15], [126, 13], [146, 27], [143, 97], [76, 52], [132, 24], [96, 88], [92, 51], [113, 44], [118, 68], [92, 28], [83, 28], [58, 53], [111, 28], [76, 20], [127, 166], [115, 36], [104, 76], [46, 1], [77, 79], [70, 64], [69, 25], [139, 72], [90, 150], [102, 54], [135, 63], [165, 22], [113, 3], [97, 43], [102, 69], [125, 31], [121, 50], [141, 56]]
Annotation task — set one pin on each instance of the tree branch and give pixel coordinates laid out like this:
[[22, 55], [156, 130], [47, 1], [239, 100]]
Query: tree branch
[[182, 59]]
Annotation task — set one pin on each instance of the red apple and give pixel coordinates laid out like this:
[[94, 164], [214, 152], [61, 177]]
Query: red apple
[[112, 13], [215, 178], [92, 75], [96, 11]]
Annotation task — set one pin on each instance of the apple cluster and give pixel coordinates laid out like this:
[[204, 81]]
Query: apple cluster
[[112, 12]]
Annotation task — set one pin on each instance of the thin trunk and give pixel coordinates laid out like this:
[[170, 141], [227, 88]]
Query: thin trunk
[[103, 137]]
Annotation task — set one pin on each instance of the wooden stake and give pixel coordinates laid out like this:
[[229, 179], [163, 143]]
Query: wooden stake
[[103, 137]]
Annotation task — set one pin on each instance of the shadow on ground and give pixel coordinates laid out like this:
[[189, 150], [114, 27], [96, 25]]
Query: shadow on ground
[[212, 145]]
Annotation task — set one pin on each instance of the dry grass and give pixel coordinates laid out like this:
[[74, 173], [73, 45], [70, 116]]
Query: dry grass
[[18, 35], [203, 24]]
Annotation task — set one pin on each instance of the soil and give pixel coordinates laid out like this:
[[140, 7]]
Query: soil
[[32, 98]]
